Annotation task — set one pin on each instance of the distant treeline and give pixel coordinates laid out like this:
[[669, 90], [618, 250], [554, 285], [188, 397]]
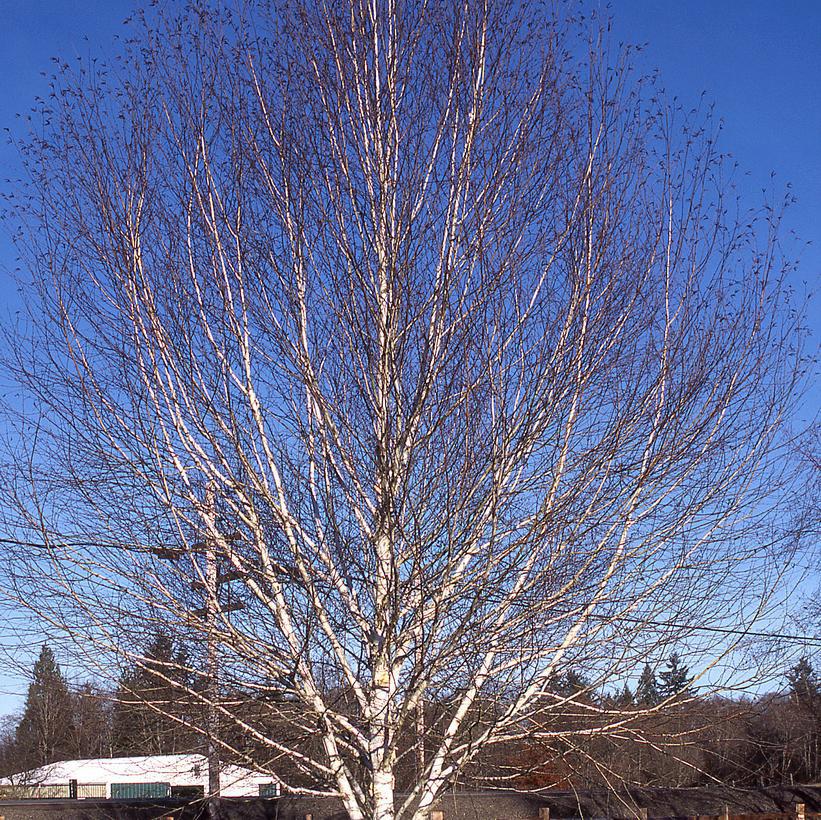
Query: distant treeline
[[157, 708]]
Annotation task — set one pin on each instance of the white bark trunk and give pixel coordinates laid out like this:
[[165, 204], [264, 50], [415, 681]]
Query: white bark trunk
[[383, 792]]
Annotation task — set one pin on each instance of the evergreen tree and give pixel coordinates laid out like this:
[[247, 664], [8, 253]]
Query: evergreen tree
[[805, 746], [804, 684], [647, 689], [92, 723], [675, 679], [567, 684], [46, 729], [574, 682], [625, 697], [149, 708]]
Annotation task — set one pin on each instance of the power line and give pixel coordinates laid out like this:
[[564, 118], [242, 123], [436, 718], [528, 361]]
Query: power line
[[808, 640], [814, 640]]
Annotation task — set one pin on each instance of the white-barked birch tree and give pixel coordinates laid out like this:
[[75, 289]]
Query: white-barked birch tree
[[438, 329]]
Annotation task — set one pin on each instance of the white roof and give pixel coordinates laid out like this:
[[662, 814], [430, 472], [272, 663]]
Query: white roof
[[178, 770]]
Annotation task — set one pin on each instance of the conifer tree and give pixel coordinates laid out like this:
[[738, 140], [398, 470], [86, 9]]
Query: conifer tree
[[568, 684], [625, 697], [45, 731], [149, 704], [675, 679], [92, 723], [803, 682], [647, 690]]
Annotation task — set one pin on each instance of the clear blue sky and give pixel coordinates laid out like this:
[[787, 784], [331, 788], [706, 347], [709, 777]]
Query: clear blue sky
[[759, 61]]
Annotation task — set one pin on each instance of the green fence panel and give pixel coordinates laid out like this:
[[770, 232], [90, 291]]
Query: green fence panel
[[136, 791]]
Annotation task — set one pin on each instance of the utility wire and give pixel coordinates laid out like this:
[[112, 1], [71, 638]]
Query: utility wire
[[808, 640]]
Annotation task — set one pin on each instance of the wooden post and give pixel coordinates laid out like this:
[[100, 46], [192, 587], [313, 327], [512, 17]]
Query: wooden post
[[544, 813], [800, 809], [726, 814]]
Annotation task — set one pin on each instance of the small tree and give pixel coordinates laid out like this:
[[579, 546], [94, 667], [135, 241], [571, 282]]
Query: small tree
[[805, 696], [674, 679], [625, 696], [804, 684], [647, 689], [9, 759]]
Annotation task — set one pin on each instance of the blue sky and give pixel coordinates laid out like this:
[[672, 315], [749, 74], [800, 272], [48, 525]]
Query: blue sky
[[759, 61]]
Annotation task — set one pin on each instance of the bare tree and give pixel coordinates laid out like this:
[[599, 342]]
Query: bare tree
[[453, 319]]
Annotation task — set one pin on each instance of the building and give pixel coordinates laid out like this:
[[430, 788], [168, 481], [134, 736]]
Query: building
[[183, 775]]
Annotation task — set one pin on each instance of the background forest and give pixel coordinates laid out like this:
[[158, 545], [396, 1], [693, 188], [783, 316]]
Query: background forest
[[766, 740]]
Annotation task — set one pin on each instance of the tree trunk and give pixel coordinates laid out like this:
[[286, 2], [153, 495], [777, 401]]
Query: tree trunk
[[383, 793]]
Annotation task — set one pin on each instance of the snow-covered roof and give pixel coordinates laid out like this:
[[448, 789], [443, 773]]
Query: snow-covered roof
[[177, 770]]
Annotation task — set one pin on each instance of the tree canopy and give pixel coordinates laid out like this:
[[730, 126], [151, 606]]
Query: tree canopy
[[399, 359]]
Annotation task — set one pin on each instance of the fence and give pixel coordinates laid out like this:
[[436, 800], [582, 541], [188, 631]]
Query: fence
[[799, 812], [140, 791], [52, 791]]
